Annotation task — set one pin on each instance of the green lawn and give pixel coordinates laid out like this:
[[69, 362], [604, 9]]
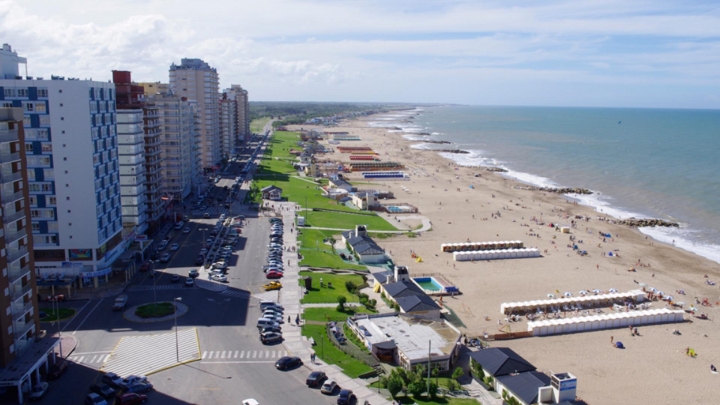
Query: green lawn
[[331, 314], [257, 124], [331, 354], [277, 159], [52, 315], [155, 310], [300, 191], [347, 221], [318, 254], [324, 294], [438, 401]]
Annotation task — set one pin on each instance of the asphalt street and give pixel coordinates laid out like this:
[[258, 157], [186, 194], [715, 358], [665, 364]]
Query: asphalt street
[[235, 365]]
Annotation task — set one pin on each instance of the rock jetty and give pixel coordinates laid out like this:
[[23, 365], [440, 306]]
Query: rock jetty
[[643, 222], [496, 169], [561, 190], [433, 141], [447, 150]]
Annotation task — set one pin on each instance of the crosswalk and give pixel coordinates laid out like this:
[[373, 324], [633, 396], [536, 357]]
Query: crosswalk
[[237, 294], [95, 359], [155, 287], [213, 211], [210, 285], [240, 355], [268, 295], [145, 354]]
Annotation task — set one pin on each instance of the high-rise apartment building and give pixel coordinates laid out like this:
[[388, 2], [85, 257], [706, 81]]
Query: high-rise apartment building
[[228, 125], [152, 89], [181, 144], [243, 111], [73, 171], [20, 356], [140, 186], [197, 81]]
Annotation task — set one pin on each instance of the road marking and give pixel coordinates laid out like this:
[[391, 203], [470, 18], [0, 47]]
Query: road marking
[[80, 359], [236, 354], [254, 354], [93, 359], [105, 351], [267, 354], [88, 315], [203, 355], [239, 362], [242, 354], [106, 358], [223, 355]]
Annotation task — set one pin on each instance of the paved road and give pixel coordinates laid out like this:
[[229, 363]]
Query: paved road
[[234, 364]]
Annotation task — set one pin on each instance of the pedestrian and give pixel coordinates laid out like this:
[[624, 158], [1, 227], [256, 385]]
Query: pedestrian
[[611, 339], [297, 320], [289, 321]]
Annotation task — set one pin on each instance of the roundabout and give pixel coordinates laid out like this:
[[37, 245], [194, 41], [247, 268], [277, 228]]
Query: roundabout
[[155, 312]]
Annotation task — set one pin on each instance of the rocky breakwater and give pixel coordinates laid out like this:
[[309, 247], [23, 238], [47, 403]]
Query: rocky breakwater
[[643, 222], [446, 150], [556, 190], [438, 142], [496, 169]]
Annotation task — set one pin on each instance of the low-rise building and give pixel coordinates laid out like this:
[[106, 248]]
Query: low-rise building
[[411, 299], [407, 340], [273, 193], [365, 199], [340, 183], [363, 246]]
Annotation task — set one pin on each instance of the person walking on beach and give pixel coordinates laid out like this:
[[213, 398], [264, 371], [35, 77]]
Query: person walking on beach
[[612, 338]]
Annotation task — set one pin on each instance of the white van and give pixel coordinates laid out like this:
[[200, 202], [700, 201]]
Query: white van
[[266, 323]]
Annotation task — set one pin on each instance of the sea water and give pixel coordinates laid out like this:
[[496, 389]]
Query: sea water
[[641, 163]]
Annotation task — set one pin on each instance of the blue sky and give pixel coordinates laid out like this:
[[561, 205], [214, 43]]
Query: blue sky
[[558, 53]]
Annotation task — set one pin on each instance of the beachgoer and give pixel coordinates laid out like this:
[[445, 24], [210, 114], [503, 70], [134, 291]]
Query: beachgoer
[[713, 369], [612, 338]]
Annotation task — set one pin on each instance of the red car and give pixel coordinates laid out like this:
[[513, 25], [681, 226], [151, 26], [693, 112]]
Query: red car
[[274, 274], [145, 266], [131, 399]]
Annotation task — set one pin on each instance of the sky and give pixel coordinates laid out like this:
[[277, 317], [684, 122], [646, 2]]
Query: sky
[[650, 54]]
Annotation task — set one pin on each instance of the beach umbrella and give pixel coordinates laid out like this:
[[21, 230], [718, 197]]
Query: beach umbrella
[[668, 298], [596, 291], [583, 292], [613, 290], [568, 294], [551, 295], [660, 293]]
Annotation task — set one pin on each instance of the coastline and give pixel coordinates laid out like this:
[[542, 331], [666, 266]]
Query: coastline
[[440, 189]]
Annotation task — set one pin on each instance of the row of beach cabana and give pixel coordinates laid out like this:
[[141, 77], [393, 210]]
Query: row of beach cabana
[[591, 300], [496, 254], [474, 246], [371, 175], [604, 321]]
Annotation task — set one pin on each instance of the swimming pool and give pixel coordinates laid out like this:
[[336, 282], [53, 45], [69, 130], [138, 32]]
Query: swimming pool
[[428, 283]]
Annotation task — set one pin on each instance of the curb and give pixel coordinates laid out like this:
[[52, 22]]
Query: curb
[[130, 316]]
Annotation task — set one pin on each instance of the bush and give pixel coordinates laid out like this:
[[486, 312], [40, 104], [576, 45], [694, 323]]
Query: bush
[[341, 303], [458, 373], [477, 369], [453, 385], [351, 287], [416, 388], [394, 384]]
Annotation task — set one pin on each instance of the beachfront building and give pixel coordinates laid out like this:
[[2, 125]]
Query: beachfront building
[[73, 172], [199, 82], [407, 340], [273, 193], [21, 354], [363, 246], [242, 112], [131, 155], [365, 200], [411, 299], [150, 89], [228, 125], [340, 183], [181, 166]]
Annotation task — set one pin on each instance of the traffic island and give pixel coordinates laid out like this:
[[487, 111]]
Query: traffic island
[[155, 312]]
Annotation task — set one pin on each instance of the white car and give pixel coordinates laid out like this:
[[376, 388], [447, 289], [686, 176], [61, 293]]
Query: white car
[[219, 277], [134, 379], [175, 246], [219, 265], [39, 390], [250, 402], [163, 244], [165, 258], [186, 230]]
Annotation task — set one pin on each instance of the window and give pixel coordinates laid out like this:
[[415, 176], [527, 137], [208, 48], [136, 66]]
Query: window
[[9, 92], [33, 200], [40, 107], [22, 92], [29, 107], [44, 121], [35, 214], [46, 187], [7, 105], [42, 92], [52, 200], [28, 147], [31, 174], [35, 227], [47, 148], [34, 187], [48, 174], [53, 226]]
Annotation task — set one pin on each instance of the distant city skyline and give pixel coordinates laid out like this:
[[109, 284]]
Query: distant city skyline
[[595, 53]]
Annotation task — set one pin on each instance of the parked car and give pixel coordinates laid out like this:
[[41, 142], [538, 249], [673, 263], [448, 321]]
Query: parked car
[[328, 387], [219, 278], [112, 380], [287, 362], [162, 245], [200, 260], [277, 328], [206, 215], [103, 390], [186, 230], [134, 379], [131, 398], [273, 275], [95, 399], [174, 247], [270, 337], [189, 282], [273, 285], [120, 302], [165, 258], [58, 369], [267, 303], [175, 278], [315, 379], [346, 397], [139, 387], [146, 266], [39, 390]]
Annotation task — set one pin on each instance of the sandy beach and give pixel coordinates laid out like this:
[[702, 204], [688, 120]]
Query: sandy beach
[[652, 369]]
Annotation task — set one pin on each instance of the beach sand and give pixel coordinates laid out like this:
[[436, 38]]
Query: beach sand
[[652, 369]]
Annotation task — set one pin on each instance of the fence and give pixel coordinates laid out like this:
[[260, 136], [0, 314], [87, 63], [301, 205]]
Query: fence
[[350, 349]]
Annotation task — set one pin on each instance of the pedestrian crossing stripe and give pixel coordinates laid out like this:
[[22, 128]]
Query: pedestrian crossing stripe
[[155, 287], [242, 354], [94, 359]]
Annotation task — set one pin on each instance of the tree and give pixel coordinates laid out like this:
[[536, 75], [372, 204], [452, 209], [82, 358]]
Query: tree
[[394, 384], [341, 303], [458, 373], [416, 388], [477, 369], [433, 390]]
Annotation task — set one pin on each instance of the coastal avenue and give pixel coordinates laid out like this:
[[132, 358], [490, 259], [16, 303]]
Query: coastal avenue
[[235, 366]]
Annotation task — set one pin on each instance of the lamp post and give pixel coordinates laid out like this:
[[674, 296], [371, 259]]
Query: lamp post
[[177, 344]]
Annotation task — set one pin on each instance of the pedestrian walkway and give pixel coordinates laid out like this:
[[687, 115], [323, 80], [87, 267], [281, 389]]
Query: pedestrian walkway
[[242, 355], [93, 360], [237, 293], [147, 354], [210, 285], [155, 287], [213, 211]]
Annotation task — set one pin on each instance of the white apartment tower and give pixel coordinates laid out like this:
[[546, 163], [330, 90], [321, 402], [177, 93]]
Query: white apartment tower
[[131, 152], [73, 171], [228, 126], [242, 111], [182, 165], [197, 81]]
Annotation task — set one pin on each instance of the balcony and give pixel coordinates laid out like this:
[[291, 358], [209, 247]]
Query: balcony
[[152, 152], [19, 309], [15, 254], [8, 177], [10, 218], [151, 141], [6, 156], [19, 292], [12, 197], [16, 272], [22, 328], [13, 235]]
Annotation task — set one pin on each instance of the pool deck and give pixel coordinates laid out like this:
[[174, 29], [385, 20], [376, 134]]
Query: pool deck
[[438, 279]]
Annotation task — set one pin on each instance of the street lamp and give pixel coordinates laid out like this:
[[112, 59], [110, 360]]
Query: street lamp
[[177, 344]]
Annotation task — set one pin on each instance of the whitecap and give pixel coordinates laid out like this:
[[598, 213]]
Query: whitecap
[[683, 240]]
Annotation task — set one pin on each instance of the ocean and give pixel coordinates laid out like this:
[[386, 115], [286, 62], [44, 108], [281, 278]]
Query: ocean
[[643, 163]]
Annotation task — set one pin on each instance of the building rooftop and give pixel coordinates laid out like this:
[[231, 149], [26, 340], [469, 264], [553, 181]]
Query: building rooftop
[[417, 303], [411, 335], [500, 361], [525, 385], [403, 289]]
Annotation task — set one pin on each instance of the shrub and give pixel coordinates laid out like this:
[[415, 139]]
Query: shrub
[[457, 373], [351, 287], [453, 385], [416, 388], [477, 369], [394, 384], [433, 390], [341, 303]]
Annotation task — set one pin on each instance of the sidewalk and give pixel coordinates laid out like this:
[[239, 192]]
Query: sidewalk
[[295, 343]]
